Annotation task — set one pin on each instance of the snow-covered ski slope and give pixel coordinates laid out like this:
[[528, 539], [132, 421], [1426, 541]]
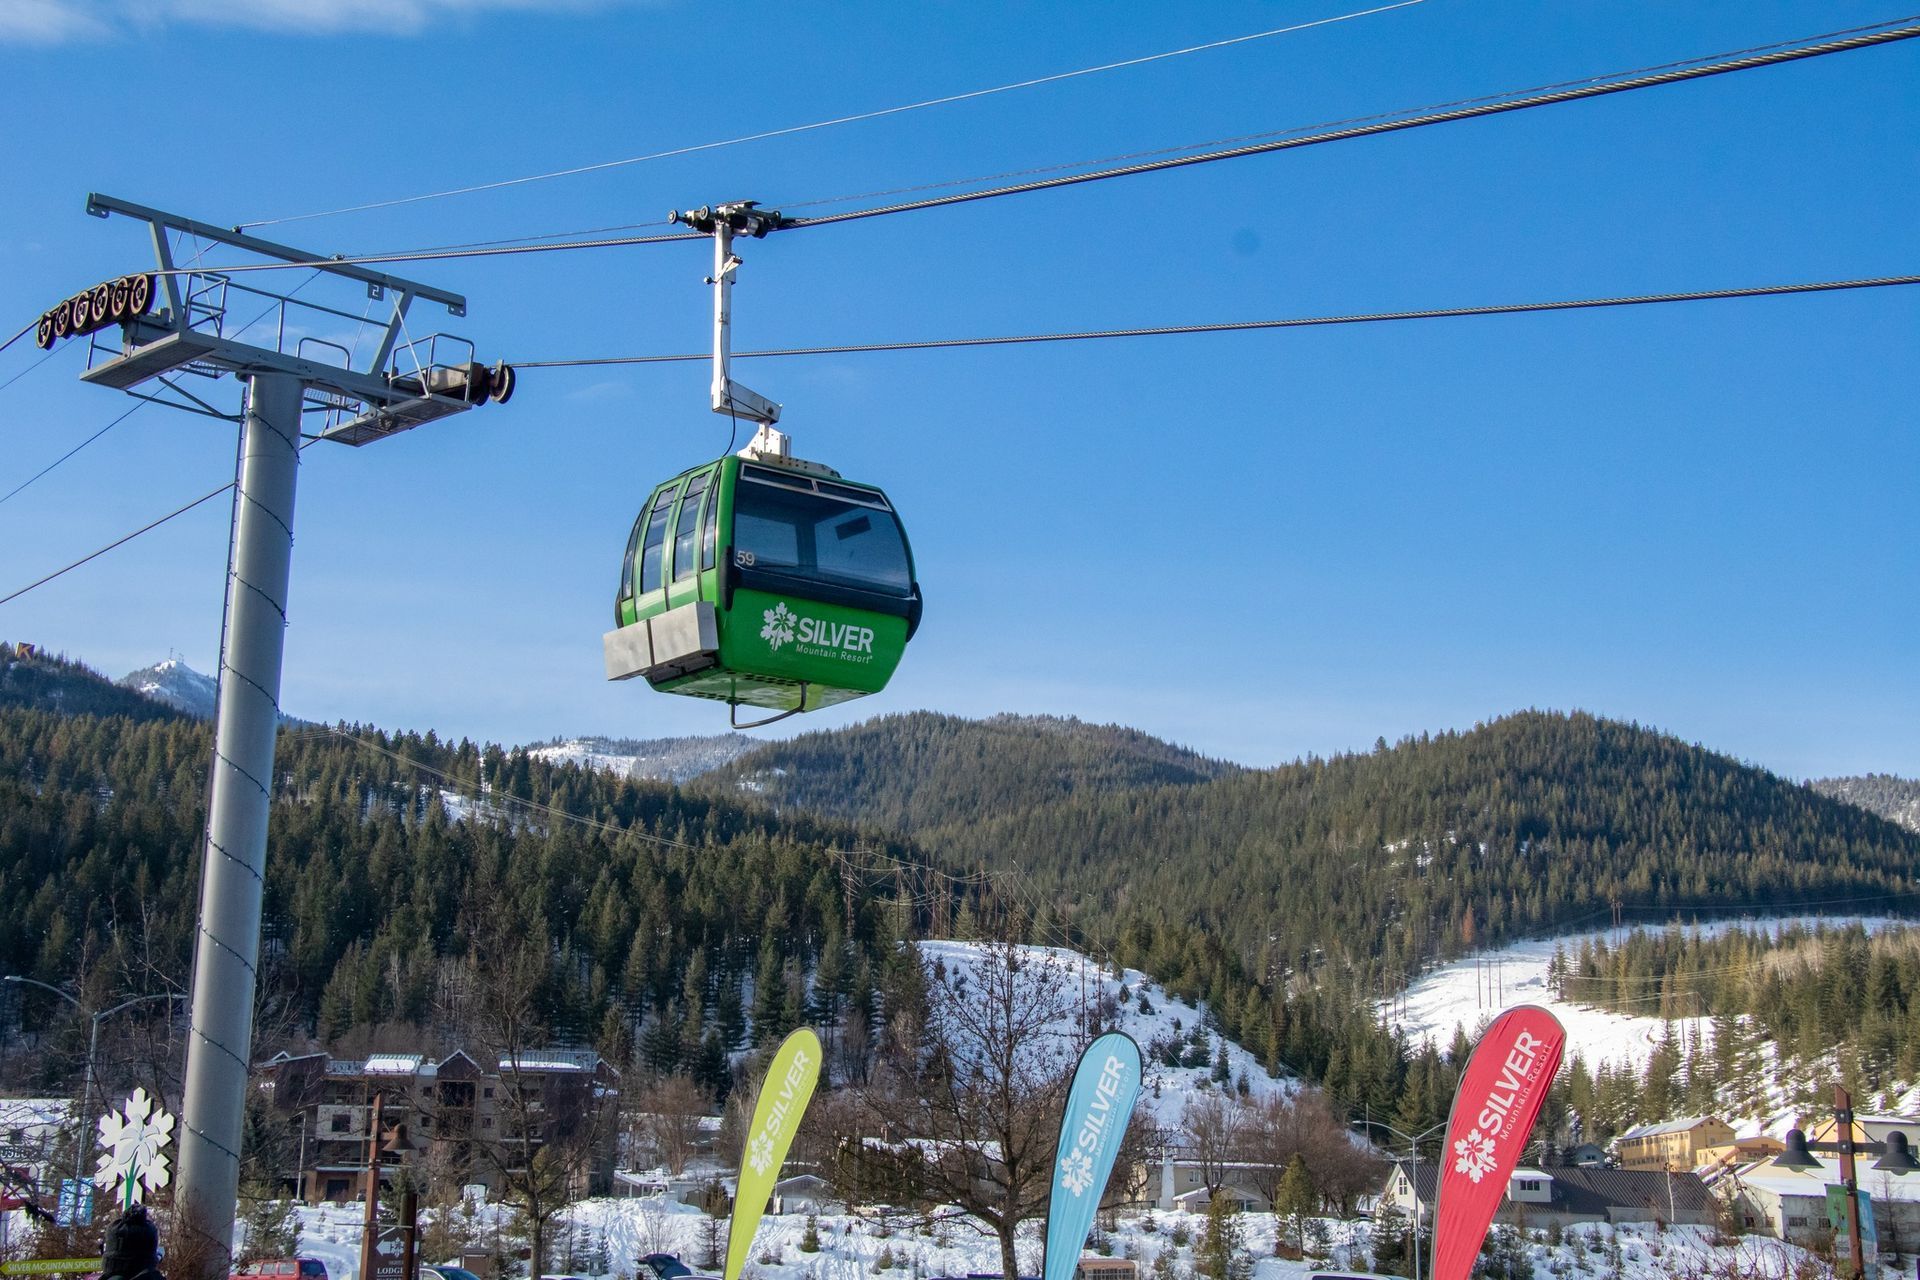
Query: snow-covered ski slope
[[1469, 992], [1165, 1090]]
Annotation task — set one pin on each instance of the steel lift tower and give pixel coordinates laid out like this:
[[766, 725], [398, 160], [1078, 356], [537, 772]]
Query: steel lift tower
[[296, 390]]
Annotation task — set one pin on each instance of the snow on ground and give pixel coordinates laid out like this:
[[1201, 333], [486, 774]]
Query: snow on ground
[[461, 808], [588, 753], [331, 1233], [1471, 991], [176, 684], [620, 1231], [661, 759], [853, 1248], [1165, 1089]]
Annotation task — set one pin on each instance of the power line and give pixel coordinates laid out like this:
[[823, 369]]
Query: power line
[[1230, 327], [546, 810], [1792, 54], [1676, 983], [1242, 326], [23, 333], [567, 815], [1297, 129], [790, 130], [444, 255], [117, 542], [29, 369], [137, 406], [122, 541], [1779, 56]]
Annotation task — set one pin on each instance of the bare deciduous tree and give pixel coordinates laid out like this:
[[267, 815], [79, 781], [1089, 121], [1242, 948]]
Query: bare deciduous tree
[[550, 1128], [1304, 1125], [967, 1109], [667, 1114], [1213, 1122]]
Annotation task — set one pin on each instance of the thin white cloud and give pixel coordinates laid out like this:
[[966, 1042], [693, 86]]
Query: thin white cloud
[[49, 21], [62, 21], [601, 392]]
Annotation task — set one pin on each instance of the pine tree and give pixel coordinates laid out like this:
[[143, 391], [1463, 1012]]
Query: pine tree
[[1297, 1198], [1221, 1257], [272, 1227]]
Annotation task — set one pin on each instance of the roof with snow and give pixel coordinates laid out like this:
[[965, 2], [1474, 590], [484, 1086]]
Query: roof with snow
[[1813, 1183], [27, 1113], [800, 1182], [550, 1060], [1667, 1126], [1590, 1192]]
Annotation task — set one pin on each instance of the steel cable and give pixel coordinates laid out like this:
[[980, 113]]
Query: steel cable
[[1243, 326], [1794, 53]]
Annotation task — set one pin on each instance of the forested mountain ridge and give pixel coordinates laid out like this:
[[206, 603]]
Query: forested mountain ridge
[[1437, 845], [1793, 1008], [672, 926], [1893, 798], [921, 770], [177, 685], [55, 683]]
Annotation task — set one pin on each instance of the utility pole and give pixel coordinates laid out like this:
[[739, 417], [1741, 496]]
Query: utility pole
[[403, 384], [370, 1221], [1843, 1113], [1413, 1141]]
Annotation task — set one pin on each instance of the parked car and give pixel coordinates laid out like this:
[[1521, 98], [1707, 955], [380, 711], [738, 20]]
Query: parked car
[[665, 1266], [447, 1273], [282, 1269]]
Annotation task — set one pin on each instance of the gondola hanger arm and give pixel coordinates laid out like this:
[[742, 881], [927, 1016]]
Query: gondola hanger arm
[[722, 222]]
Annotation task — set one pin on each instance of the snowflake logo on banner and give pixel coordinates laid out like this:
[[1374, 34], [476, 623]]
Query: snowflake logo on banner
[[1076, 1172], [133, 1163], [780, 621], [1476, 1156], [760, 1153]]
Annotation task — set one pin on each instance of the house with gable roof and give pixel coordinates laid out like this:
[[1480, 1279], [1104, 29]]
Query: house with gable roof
[[1672, 1144], [1566, 1194]]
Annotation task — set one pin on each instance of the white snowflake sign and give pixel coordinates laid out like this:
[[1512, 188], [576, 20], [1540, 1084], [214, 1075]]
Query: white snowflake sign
[[132, 1163], [1476, 1156]]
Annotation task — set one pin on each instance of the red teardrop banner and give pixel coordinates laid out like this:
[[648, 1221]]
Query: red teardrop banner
[[1500, 1096]]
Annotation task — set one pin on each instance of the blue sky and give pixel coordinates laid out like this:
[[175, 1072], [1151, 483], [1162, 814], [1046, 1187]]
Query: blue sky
[[1702, 518]]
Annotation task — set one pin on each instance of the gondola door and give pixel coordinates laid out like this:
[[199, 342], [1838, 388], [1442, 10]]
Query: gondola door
[[682, 572]]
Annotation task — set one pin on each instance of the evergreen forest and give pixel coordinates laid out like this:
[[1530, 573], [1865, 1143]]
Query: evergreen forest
[[680, 924], [1753, 1014]]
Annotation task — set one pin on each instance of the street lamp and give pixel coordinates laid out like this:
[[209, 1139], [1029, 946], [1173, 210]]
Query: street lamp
[[86, 1087], [1413, 1141], [1896, 1157]]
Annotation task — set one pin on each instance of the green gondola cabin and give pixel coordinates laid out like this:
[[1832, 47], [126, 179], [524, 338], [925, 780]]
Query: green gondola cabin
[[763, 580]]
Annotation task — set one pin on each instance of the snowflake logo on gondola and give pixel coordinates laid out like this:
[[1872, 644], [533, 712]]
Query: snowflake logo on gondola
[[780, 624], [760, 1153], [133, 1164], [1476, 1156], [1076, 1172]]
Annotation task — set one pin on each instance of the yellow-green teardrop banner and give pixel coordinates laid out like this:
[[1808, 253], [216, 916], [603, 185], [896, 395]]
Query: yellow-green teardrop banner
[[784, 1095]]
